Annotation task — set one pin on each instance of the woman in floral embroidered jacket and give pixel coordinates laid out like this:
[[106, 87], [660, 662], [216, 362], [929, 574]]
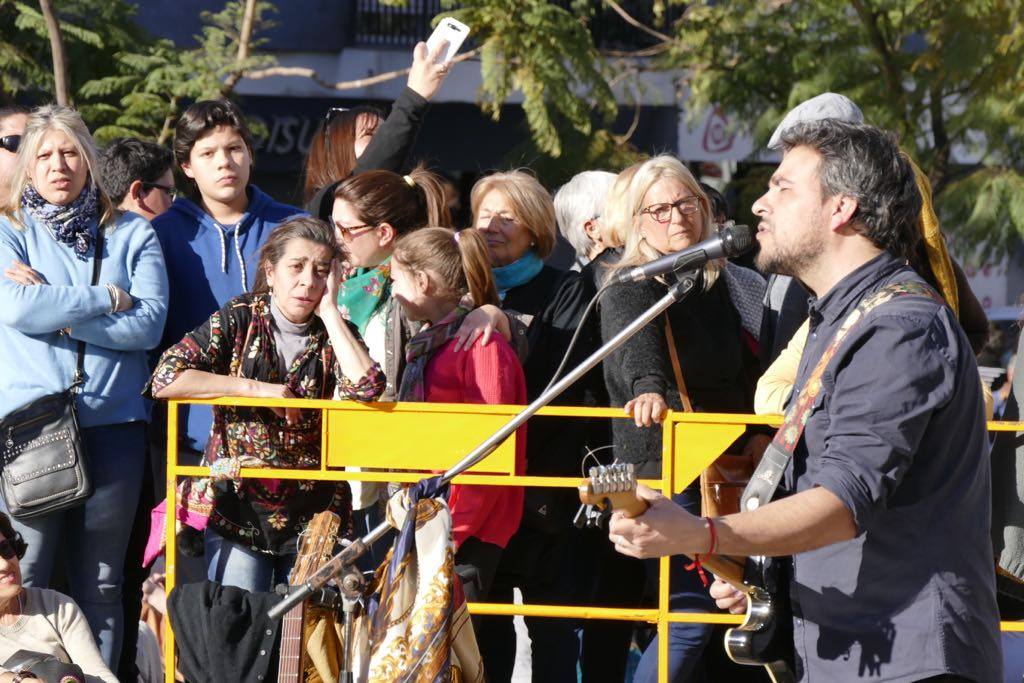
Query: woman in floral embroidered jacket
[[286, 339]]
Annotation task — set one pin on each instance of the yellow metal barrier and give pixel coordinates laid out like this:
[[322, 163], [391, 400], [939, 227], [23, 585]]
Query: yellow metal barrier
[[422, 436]]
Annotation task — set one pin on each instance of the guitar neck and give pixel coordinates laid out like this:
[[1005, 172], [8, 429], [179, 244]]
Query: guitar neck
[[726, 568], [289, 666]]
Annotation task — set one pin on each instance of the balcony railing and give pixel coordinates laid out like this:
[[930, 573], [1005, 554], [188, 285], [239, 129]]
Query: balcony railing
[[378, 25]]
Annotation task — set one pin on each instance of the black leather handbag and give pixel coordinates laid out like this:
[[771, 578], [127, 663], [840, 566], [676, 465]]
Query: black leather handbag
[[45, 467]]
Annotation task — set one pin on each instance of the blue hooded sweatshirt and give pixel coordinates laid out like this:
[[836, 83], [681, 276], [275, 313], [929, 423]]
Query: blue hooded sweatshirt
[[208, 264]]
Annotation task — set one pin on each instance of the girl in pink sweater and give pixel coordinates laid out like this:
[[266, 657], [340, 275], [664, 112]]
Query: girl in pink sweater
[[433, 270]]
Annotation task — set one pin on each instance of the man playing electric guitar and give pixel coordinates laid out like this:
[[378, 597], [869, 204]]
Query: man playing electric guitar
[[884, 503]]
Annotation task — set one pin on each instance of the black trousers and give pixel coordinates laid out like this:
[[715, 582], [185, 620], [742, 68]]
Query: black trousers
[[537, 563]]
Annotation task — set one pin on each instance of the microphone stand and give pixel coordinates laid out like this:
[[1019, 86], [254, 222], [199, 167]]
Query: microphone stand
[[340, 564]]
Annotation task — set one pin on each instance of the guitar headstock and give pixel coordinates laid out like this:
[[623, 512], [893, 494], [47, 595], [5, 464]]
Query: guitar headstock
[[316, 546], [613, 486]]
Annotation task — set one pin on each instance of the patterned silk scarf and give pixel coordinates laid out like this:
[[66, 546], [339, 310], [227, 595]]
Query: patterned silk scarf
[[360, 295], [70, 224], [419, 350]]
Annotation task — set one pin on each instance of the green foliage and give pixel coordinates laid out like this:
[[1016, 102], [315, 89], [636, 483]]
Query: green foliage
[[941, 75], [545, 52], [580, 152], [150, 84]]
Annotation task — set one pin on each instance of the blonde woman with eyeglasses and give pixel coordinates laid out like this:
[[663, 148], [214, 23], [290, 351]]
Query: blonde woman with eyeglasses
[[665, 210]]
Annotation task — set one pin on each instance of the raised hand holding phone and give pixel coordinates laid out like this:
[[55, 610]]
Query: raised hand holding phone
[[450, 31]]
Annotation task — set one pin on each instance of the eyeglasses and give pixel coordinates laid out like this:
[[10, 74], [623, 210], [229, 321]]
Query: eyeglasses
[[10, 143], [662, 212], [9, 549], [351, 232], [171, 192]]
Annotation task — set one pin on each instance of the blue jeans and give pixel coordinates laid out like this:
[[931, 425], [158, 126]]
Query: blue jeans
[[686, 594], [232, 564], [93, 537]]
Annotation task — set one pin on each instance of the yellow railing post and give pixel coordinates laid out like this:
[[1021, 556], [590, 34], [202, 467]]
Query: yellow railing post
[[171, 538], [703, 436]]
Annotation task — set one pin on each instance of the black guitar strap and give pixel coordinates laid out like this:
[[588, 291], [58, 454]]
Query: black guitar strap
[[768, 475]]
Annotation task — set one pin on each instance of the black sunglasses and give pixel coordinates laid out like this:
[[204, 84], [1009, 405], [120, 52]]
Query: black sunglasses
[[9, 549], [10, 143], [171, 191]]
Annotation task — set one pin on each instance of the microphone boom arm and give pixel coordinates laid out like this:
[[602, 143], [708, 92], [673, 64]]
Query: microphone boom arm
[[335, 566]]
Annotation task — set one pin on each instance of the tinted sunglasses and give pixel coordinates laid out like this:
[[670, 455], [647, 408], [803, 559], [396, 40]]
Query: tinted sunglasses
[[10, 143], [9, 549]]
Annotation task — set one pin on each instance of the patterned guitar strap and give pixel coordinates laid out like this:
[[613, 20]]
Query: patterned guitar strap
[[769, 472]]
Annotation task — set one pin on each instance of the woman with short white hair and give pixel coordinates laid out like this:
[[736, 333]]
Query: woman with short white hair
[[578, 206], [55, 221]]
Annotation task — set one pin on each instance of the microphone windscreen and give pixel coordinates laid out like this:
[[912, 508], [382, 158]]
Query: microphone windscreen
[[737, 239]]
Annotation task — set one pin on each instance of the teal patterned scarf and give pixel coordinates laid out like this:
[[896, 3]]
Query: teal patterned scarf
[[360, 295]]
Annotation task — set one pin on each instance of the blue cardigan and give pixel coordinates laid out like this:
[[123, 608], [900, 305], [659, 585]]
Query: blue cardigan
[[37, 359]]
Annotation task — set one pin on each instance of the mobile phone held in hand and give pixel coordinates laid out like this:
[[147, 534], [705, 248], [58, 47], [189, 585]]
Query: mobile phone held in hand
[[452, 30]]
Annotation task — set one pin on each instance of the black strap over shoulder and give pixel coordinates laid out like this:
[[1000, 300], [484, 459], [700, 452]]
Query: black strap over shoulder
[[97, 261]]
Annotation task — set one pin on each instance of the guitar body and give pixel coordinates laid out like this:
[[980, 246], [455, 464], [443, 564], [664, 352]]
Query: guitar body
[[766, 636]]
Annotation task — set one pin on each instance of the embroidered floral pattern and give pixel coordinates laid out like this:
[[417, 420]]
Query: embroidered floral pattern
[[238, 340]]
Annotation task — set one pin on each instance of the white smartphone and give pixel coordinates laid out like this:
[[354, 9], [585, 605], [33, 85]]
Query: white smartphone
[[452, 30]]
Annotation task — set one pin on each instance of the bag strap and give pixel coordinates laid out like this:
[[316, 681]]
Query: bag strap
[[97, 261], [768, 475], [677, 369]]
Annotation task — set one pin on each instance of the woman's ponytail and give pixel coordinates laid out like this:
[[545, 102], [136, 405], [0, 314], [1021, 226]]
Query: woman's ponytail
[[476, 266], [434, 201]]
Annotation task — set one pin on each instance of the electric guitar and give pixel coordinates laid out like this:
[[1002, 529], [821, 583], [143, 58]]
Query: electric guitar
[[765, 638], [316, 546]]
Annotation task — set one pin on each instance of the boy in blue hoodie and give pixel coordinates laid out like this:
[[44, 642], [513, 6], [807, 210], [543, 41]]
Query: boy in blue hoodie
[[211, 237]]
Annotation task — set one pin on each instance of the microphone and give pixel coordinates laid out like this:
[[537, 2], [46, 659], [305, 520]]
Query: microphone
[[732, 240]]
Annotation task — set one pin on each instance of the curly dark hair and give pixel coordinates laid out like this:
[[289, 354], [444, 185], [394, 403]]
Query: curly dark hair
[[7, 529], [865, 163]]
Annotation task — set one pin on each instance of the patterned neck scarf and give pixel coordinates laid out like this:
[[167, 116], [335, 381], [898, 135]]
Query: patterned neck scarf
[[70, 224], [419, 350], [518, 272], [360, 295]]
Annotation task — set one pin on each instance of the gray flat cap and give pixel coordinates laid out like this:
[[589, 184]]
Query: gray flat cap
[[828, 105]]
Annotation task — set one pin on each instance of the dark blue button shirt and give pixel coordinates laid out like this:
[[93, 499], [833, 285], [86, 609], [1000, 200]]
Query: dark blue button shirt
[[898, 434]]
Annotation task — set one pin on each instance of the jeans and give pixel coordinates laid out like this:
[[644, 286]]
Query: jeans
[[232, 564], [686, 594], [94, 535]]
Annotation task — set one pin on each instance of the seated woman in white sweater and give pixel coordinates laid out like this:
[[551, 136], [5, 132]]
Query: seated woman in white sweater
[[38, 624]]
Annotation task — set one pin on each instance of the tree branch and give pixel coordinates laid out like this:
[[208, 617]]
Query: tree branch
[[244, 44], [306, 72], [636, 24], [890, 69], [60, 66], [939, 174], [168, 128]]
